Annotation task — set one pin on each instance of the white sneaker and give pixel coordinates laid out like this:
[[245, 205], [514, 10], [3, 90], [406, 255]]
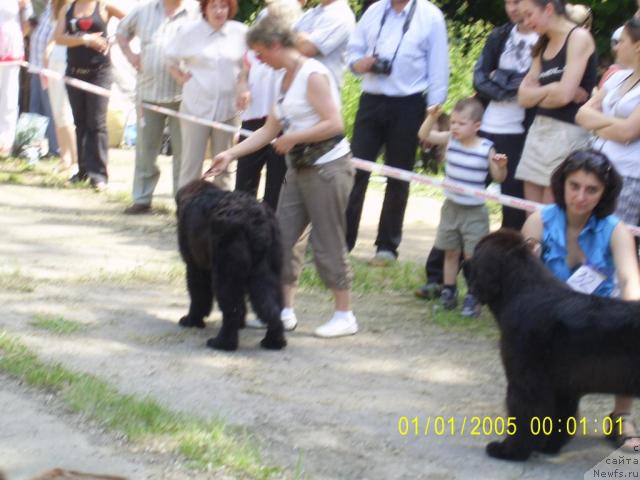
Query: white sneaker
[[338, 327], [289, 322], [254, 322]]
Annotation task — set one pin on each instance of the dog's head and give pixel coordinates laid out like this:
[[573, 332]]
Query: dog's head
[[496, 257], [193, 189]]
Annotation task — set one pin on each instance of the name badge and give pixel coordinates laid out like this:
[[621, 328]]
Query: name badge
[[586, 279]]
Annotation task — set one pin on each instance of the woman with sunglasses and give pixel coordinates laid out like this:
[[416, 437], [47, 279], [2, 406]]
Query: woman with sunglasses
[[580, 237], [613, 114]]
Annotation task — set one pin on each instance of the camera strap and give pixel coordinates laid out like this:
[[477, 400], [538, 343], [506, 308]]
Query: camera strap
[[405, 28]]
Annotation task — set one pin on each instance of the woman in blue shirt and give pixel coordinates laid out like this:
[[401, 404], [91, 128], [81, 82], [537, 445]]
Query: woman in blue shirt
[[579, 230]]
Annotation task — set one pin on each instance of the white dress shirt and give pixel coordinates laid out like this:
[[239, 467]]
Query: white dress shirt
[[214, 59], [329, 28], [422, 62]]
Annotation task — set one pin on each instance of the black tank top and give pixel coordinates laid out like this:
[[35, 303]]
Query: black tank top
[[85, 57], [552, 71]]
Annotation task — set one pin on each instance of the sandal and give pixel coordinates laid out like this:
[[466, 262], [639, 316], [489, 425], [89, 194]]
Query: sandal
[[620, 438]]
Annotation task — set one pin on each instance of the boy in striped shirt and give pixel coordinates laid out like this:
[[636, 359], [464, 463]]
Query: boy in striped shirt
[[464, 219]]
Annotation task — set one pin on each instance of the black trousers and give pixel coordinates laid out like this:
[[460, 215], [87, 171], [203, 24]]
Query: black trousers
[[90, 118], [511, 145], [250, 168], [392, 123], [434, 268]]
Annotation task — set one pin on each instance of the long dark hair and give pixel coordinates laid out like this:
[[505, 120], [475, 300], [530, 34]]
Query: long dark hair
[[559, 7], [632, 27]]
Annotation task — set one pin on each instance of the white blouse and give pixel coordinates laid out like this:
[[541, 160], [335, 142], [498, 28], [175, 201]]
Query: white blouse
[[295, 113], [11, 43], [214, 59], [624, 156]]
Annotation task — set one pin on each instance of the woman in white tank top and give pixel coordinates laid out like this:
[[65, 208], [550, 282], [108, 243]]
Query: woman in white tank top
[[614, 115], [319, 176]]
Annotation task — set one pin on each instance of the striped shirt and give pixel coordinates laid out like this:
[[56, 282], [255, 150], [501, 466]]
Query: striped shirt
[[41, 37], [468, 166], [156, 31]]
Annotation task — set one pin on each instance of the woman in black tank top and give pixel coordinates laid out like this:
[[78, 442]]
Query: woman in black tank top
[[82, 28], [561, 78]]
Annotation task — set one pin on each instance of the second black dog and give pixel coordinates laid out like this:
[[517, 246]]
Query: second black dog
[[231, 246], [556, 344]]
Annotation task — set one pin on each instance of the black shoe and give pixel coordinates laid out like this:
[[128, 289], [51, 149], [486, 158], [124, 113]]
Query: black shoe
[[77, 178], [428, 291], [471, 307], [137, 209], [449, 298]]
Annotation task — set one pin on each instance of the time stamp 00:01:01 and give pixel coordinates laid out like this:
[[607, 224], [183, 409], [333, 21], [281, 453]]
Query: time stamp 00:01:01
[[475, 426]]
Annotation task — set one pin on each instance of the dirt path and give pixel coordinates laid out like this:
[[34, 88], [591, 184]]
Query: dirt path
[[331, 406]]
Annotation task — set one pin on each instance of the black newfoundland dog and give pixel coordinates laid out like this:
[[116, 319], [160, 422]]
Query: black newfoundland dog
[[556, 344], [231, 245]]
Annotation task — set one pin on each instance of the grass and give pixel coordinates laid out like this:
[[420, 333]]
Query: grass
[[17, 282], [173, 273], [57, 324], [205, 444], [397, 277]]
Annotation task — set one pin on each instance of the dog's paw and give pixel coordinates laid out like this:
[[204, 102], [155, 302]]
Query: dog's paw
[[188, 322], [503, 451], [222, 343], [273, 342]]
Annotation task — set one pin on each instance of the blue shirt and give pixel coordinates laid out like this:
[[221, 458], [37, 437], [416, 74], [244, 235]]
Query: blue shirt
[[594, 241], [422, 63]]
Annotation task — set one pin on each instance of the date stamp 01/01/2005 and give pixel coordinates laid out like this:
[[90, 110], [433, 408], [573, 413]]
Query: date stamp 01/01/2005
[[439, 426]]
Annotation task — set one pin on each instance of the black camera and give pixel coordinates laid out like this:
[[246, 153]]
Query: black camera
[[381, 66]]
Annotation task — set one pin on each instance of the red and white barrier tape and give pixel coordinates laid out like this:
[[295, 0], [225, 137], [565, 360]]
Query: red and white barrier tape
[[359, 163]]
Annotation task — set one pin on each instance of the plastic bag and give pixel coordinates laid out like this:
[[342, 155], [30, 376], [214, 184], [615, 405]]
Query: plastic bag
[[30, 141]]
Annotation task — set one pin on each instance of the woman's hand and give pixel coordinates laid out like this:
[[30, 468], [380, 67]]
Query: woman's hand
[[219, 164], [242, 100], [284, 144], [581, 96], [95, 41]]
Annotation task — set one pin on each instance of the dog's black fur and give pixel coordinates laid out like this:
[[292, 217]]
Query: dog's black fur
[[556, 344], [231, 245]]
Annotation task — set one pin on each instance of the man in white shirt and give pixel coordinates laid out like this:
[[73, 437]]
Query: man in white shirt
[[400, 49], [155, 24], [323, 33]]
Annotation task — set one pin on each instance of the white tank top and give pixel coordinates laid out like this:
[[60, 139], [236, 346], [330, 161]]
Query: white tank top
[[295, 113]]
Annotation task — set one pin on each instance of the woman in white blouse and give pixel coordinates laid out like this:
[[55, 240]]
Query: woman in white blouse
[[319, 172], [206, 58], [614, 115]]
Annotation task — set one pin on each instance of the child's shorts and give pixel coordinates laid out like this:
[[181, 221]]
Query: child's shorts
[[461, 226]]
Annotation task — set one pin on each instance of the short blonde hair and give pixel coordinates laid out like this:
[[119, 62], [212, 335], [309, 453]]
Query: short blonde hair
[[581, 15], [270, 30], [288, 11]]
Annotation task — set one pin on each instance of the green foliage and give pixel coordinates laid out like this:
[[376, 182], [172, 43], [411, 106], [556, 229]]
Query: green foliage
[[351, 90], [465, 44], [57, 324], [608, 14]]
